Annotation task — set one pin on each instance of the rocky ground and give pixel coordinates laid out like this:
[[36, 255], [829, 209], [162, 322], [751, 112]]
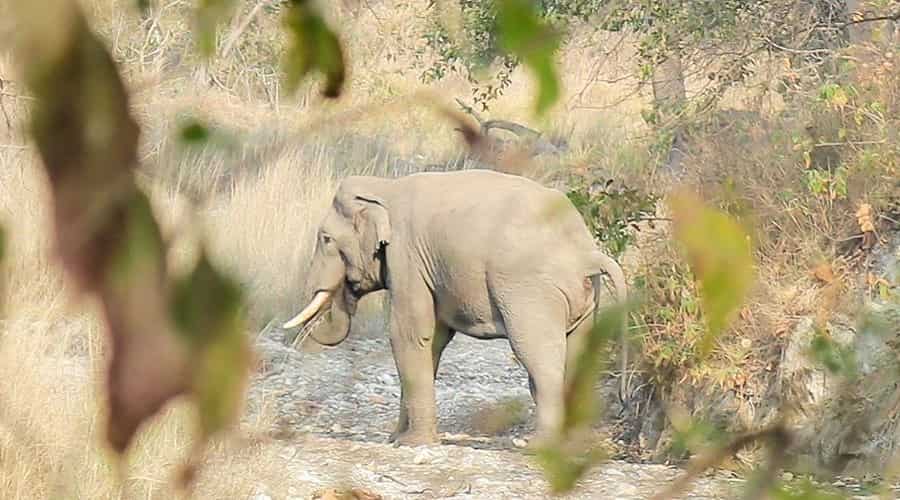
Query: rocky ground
[[337, 406]]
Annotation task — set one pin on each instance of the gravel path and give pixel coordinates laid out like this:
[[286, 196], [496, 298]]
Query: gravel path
[[341, 403], [352, 391]]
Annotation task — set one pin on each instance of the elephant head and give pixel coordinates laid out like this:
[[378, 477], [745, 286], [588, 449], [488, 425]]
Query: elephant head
[[349, 260]]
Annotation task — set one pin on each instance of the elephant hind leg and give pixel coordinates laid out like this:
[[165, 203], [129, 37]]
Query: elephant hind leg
[[442, 337], [538, 340], [575, 342]]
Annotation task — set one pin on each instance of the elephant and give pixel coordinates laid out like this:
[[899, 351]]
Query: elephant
[[477, 252]]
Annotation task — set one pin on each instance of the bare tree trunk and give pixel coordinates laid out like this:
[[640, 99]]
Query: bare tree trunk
[[668, 84], [669, 97]]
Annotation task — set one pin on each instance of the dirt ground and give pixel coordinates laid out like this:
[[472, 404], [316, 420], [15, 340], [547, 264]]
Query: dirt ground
[[341, 403], [336, 407]]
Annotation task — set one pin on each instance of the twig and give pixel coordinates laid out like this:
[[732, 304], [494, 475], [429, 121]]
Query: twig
[[229, 44], [891, 17], [848, 143], [468, 109], [885, 217], [372, 11], [17, 96], [777, 434]]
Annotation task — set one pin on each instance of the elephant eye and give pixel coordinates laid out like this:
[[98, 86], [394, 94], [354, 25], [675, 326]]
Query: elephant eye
[[326, 239]]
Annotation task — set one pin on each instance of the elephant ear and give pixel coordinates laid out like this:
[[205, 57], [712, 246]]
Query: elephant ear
[[373, 223]]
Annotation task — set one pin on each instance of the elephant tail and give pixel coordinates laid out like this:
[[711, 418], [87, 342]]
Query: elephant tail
[[602, 263]]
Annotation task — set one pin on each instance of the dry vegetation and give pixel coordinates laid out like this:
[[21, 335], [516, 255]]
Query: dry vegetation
[[261, 204]]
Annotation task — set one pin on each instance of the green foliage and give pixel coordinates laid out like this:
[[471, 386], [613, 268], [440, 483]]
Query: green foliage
[[805, 490], [528, 38], [314, 47], [831, 185], [612, 214], [665, 27], [696, 437], [193, 131], [719, 253], [207, 308], [837, 359], [563, 469]]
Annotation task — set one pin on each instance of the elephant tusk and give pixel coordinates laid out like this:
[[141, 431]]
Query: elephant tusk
[[314, 306]]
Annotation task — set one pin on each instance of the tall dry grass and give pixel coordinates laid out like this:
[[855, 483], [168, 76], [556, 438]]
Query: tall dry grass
[[258, 218]]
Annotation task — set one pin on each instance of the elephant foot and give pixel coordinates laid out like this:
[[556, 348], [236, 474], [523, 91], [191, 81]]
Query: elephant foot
[[410, 438], [534, 442]]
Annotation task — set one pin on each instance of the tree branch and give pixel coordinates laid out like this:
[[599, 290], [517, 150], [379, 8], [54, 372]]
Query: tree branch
[[890, 17]]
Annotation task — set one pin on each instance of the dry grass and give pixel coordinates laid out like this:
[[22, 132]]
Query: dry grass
[[259, 218], [261, 212]]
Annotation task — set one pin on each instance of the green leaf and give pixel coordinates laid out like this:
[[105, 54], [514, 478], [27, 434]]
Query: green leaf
[[580, 397], [207, 17], [193, 132], [523, 34], [140, 249], [834, 357], [314, 47], [207, 309], [719, 253], [562, 469]]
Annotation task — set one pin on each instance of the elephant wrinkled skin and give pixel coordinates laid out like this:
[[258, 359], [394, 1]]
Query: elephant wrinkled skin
[[480, 253]]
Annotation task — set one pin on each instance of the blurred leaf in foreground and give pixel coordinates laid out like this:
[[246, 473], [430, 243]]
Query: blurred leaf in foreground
[[147, 366], [573, 453], [563, 468], [719, 253], [105, 233], [314, 46], [193, 131], [806, 490], [523, 34], [837, 359], [110, 243], [207, 17], [208, 310], [143, 5]]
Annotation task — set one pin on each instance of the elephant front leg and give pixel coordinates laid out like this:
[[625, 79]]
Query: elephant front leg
[[412, 341], [442, 337]]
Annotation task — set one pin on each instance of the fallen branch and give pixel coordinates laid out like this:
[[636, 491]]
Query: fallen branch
[[890, 17], [229, 44], [538, 143], [779, 439]]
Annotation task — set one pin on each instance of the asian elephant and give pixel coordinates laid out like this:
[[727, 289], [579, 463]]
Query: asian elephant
[[476, 252]]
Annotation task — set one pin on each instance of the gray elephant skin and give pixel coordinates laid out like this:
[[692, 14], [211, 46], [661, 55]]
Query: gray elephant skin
[[475, 252]]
